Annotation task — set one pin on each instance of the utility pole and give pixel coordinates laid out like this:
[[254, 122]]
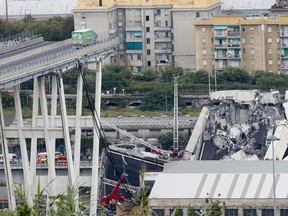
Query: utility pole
[[6, 1], [175, 119]]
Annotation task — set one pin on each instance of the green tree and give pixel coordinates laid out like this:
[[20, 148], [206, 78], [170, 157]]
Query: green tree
[[157, 100], [168, 74], [233, 74]]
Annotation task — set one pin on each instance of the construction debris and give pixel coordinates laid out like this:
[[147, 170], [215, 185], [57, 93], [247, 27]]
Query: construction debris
[[241, 125]]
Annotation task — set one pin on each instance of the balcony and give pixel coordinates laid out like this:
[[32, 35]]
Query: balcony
[[220, 34], [133, 28], [163, 39], [284, 33], [166, 50], [234, 56], [134, 51], [221, 57], [234, 45], [233, 34], [162, 28], [134, 39], [221, 46]]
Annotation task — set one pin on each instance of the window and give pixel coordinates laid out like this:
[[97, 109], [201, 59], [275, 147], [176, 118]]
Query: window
[[139, 57], [204, 62], [120, 34], [249, 212], [131, 57], [121, 56], [158, 212], [149, 63], [270, 51], [283, 212], [197, 14], [158, 12], [147, 29], [83, 15], [278, 62], [137, 23], [231, 212], [203, 40], [203, 29], [148, 40], [203, 51], [269, 29], [267, 212], [212, 40], [278, 51], [120, 23], [270, 62], [130, 12], [148, 52], [120, 13], [269, 40], [252, 61], [252, 51], [244, 62], [166, 23], [158, 23], [252, 40], [243, 50], [278, 40], [251, 29], [243, 30], [147, 18], [139, 69], [243, 40], [180, 212], [137, 12]]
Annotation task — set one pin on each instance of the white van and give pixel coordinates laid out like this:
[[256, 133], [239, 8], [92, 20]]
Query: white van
[[12, 158]]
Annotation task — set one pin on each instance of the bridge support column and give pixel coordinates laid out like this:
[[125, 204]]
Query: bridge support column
[[22, 141], [49, 145], [77, 144], [33, 153], [71, 172], [7, 167], [95, 160]]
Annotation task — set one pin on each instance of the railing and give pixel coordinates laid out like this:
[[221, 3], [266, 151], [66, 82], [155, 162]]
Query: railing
[[44, 60], [18, 38]]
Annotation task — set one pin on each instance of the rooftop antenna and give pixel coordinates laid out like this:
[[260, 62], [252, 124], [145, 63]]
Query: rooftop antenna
[[175, 119]]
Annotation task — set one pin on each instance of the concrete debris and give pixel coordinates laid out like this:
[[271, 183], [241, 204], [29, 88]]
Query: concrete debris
[[239, 124]]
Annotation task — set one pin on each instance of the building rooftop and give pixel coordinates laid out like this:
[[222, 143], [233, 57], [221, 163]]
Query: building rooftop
[[247, 4], [220, 179]]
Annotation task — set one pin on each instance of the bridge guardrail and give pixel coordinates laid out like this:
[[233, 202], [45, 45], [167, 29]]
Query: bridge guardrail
[[18, 70]]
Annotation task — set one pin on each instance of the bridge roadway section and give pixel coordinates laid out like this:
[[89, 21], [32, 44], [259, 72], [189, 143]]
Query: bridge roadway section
[[29, 65]]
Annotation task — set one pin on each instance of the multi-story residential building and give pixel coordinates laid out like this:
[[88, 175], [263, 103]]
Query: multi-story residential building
[[152, 33], [254, 42]]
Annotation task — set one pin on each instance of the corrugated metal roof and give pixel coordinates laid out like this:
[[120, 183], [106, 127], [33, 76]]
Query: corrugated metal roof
[[247, 4], [231, 179]]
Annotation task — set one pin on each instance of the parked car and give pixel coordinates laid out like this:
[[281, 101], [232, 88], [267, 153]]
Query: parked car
[[59, 158], [12, 158]]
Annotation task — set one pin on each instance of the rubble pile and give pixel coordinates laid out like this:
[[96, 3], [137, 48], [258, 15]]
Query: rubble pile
[[240, 124]]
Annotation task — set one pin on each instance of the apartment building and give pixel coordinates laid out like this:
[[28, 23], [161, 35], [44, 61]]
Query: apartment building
[[152, 33], [254, 42]]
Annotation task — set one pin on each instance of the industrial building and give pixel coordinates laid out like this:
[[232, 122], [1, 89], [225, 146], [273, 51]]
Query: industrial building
[[246, 187]]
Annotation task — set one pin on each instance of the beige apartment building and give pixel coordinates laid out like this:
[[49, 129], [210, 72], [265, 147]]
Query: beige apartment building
[[152, 33], [254, 42]]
